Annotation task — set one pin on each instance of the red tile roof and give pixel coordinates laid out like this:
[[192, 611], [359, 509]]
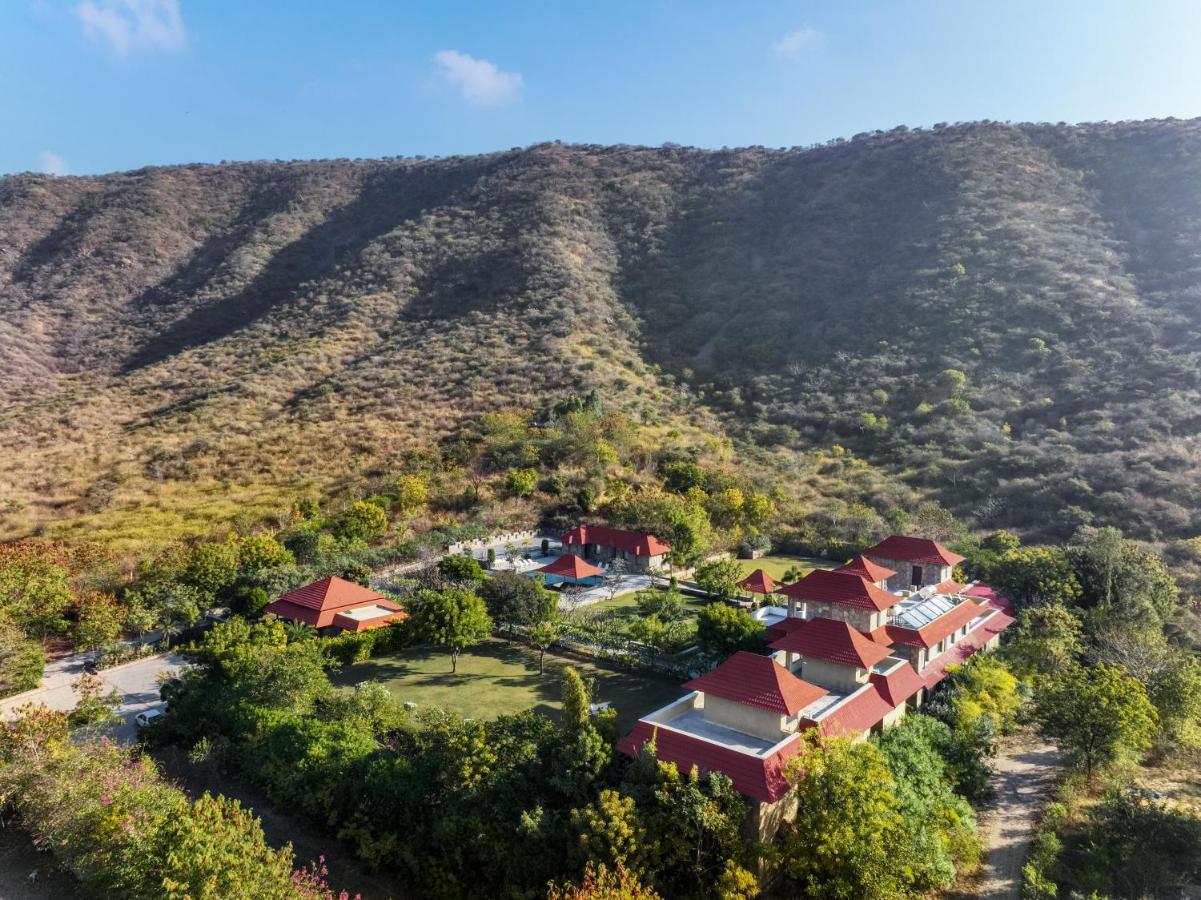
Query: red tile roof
[[785, 626], [318, 604], [634, 542], [861, 565], [571, 566], [914, 550], [950, 586], [758, 681], [758, 777], [840, 587], [837, 642], [976, 639], [931, 634], [331, 593], [758, 582], [859, 712], [898, 685], [988, 596]]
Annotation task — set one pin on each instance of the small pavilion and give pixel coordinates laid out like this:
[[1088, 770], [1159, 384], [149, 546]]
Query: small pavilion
[[758, 582], [571, 569]]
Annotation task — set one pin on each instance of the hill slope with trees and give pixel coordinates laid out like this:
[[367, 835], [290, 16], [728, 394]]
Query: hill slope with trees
[[1003, 317]]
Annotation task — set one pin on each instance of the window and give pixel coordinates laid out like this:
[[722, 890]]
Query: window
[[917, 576]]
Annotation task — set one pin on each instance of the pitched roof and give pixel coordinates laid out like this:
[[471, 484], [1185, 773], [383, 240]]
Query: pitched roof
[[571, 566], [861, 565], [859, 712], [950, 586], [758, 777], [636, 542], [914, 550], [758, 681], [840, 587], [929, 635], [837, 642], [758, 582], [784, 626], [976, 639], [330, 593], [898, 684]]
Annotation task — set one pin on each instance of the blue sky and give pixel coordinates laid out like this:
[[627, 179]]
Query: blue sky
[[98, 85]]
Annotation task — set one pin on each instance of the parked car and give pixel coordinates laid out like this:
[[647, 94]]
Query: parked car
[[145, 717]]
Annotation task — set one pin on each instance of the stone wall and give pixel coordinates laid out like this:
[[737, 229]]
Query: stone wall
[[903, 580]]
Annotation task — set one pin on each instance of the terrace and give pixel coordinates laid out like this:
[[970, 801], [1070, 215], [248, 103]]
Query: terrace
[[687, 716]]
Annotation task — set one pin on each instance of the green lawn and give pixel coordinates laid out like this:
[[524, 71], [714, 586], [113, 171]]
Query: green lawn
[[625, 607], [776, 566], [496, 678]]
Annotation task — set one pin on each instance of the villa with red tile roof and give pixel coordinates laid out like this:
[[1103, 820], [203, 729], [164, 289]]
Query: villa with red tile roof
[[917, 562], [597, 543], [850, 657], [336, 604]]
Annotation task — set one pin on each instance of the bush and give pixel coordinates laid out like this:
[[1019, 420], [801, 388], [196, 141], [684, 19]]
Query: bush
[[21, 661]]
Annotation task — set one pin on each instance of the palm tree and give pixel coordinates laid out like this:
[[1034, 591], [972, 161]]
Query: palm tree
[[298, 631]]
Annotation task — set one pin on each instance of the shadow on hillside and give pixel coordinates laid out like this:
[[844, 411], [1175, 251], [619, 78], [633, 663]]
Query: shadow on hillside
[[384, 200]]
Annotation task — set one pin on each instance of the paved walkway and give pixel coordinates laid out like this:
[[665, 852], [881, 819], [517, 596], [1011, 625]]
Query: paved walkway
[[136, 682], [1024, 772]]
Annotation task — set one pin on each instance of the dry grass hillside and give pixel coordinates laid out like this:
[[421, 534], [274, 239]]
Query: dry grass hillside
[[1005, 317]]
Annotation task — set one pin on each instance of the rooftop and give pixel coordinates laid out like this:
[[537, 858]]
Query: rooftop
[[836, 642], [636, 542], [846, 588], [914, 550], [862, 566], [757, 681]]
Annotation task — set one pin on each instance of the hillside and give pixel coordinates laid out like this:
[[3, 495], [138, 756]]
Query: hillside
[[1006, 318]]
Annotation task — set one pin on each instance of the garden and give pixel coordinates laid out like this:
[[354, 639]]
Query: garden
[[496, 678]]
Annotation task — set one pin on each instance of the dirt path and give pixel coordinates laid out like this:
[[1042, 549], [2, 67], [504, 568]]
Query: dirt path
[[1023, 773]]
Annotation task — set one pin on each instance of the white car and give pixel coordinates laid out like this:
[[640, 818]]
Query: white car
[[145, 718]]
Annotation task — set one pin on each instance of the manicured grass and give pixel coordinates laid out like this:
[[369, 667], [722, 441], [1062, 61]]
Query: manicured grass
[[776, 566], [625, 607], [496, 679]]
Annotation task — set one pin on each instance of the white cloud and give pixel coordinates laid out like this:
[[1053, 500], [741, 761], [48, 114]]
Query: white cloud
[[479, 81], [52, 163], [796, 41], [127, 25]]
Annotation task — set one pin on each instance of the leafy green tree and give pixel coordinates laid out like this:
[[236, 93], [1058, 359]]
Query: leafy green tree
[[1121, 581], [98, 620], [216, 849], [93, 706], [984, 687], [1033, 576], [758, 509], [514, 599], [21, 661], [212, 567], [719, 577], [1097, 715], [35, 588], [363, 521], [722, 630], [848, 834], [261, 551], [1046, 638], [521, 482], [454, 619], [541, 637], [941, 825], [666, 604], [170, 605], [681, 475], [611, 832], [461, 570]]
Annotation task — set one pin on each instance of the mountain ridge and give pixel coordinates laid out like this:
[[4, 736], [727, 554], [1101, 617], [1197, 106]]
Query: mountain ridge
[[1005, 317]]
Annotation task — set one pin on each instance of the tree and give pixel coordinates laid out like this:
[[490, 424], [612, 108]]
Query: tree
[[93, 706], [719, 577], [412, 493], [848, 833], [35, 587], [21, 661], [261, 551], [461, 570], [542, 636], [514, 599], [1033, 576], [521, 482], [1097, 715], [1045, 639], [453, 619], [212, 567], [363, 521], [1122, 581], [615, 577], [98, 620], [722, 630], [667, 604], [983, 687]]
